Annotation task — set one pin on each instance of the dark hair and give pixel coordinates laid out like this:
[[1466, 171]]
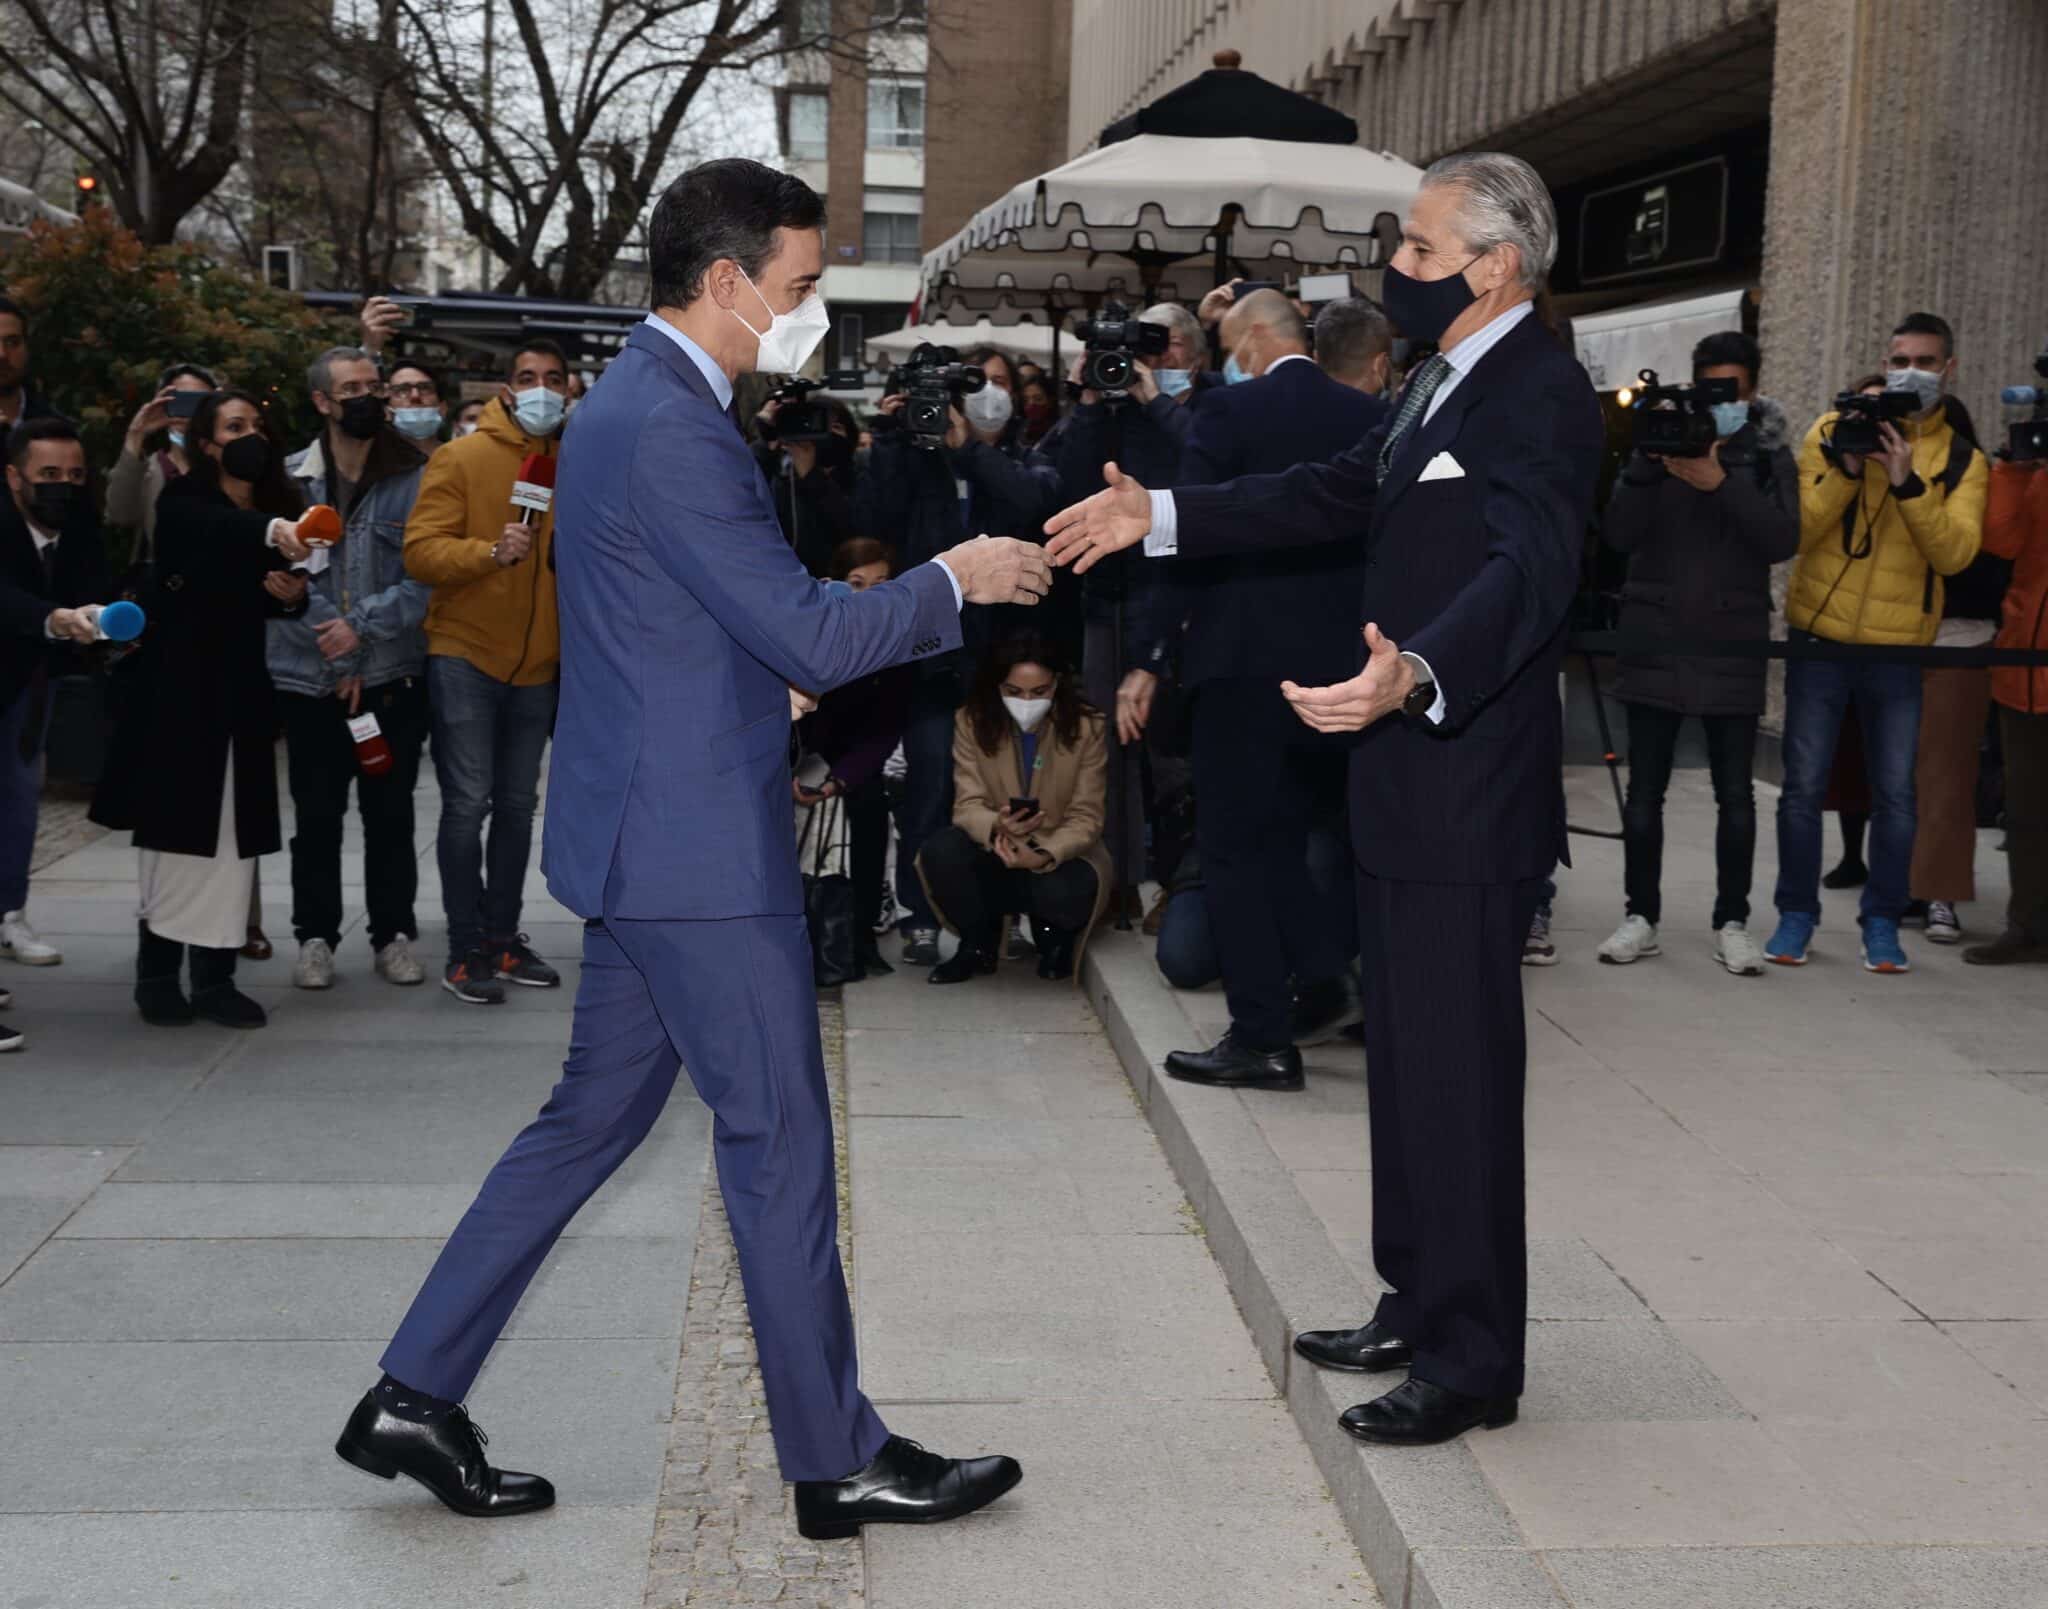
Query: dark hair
[[985, 713], [9, 305], [276, 494], [980, 356], [541, 344], [1349, 333], [1728, 347], [728, 208], [858, 553], [178, 371], [1929, 324], [30, 431], [1868, 382], [433, 379], [1039, 382]]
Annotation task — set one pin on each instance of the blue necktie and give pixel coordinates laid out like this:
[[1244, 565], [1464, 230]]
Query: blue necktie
[[1414, 404]]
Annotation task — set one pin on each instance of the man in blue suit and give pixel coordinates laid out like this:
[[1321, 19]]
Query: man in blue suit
[[689, 629], [1471, 503]]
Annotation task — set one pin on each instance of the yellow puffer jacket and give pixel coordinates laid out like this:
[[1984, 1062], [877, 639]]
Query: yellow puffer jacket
[[1882, 582]]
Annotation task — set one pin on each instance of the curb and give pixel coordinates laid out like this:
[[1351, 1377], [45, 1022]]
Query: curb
[[1431, 1529]]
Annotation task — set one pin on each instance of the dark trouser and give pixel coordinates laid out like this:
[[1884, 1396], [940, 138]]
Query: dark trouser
[[2025, 740], [1731, 757], [489, 737], [1262, 781], [1123, 829], [21, 791], [733, 1000], [927, 789], [321, 760], [1887, 702], [1187, 947], [867, 829], [976, 891], [1445, 1067]]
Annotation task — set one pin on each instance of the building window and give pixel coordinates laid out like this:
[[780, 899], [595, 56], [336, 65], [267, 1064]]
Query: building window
[[807, 128], [900, 13], [813, 20], [890, 237], [851, 328], [895, 114]]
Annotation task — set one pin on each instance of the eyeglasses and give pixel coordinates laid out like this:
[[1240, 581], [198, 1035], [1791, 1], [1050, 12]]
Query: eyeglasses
[[413, 391], [349, 390]]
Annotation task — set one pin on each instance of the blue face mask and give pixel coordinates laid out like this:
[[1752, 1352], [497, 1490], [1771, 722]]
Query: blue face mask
[[1233, 371], [539, 411], [1730, 417], [421, 424], [1173, 382]]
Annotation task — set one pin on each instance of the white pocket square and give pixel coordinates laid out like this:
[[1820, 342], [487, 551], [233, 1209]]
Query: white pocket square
[[1442, 467]]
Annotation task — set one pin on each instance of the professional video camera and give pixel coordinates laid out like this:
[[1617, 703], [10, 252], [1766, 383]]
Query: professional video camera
[[1115, 341], [1857, 417], [1677, 421], [933, 382], [2028, 439], [800, 418]]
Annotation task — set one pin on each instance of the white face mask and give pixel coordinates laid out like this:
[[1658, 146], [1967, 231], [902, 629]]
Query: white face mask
[[791, 338], [1027, 712], [1922, 383], [989, 408]]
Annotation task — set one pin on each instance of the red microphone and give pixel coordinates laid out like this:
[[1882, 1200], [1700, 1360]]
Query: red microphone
[[534, 490]]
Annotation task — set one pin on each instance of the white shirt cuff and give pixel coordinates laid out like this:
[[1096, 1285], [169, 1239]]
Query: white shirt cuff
[[1423, 673], [952, 580], [1163, 540]]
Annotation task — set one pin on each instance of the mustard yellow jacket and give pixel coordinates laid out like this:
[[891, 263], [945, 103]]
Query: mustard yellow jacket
[[1878, 579]]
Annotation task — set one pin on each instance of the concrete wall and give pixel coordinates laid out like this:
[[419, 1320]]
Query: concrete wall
[[995, 103]]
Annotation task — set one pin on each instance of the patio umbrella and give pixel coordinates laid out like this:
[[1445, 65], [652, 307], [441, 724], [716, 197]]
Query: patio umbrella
[[1020, 340]]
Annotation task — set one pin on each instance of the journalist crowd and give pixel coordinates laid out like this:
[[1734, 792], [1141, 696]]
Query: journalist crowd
[[386, 588]]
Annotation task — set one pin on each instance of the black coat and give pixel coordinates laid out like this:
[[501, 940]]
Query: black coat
[[1288, 616], [1473, 569], [198, 688], [27, 594], [1700, 566]]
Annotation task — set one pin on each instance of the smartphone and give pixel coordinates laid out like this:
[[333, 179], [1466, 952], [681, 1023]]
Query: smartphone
[[1023, 807], [184, 404]]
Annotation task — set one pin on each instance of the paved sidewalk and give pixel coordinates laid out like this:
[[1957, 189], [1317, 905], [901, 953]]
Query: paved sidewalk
[[1789, 1298]]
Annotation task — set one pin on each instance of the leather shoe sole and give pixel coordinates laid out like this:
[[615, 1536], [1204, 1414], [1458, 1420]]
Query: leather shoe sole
[[384, 1469]]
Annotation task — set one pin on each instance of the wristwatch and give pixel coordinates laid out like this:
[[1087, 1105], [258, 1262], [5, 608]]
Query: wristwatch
[[1423, 699]]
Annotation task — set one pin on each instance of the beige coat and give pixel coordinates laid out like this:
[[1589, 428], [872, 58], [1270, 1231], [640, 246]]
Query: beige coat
[[1070, 785]]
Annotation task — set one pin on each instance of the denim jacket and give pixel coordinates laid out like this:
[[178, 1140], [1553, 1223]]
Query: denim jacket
[[364, 582]]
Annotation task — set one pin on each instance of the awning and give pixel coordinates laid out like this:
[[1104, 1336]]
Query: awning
[[1020, 340], [1617, 345]]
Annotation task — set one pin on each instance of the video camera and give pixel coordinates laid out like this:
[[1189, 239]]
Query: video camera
[[1677, 421], [933, 382], [1115, 341], [802, 419], [1857, 417], [2028, 438]]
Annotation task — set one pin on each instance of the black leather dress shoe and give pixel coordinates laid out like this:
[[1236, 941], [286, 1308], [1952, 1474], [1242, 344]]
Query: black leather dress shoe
[[1055, 953], [1323, 1011], [1365, 1350], [446, 1457], [1418, 1414], [1233, 1066], [903, 1485], [969, 961]]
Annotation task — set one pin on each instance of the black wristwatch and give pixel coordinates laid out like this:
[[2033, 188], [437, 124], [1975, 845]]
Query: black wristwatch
[[1423, 699]]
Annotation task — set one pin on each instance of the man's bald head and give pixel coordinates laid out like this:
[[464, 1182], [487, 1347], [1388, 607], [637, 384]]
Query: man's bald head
[[1261, 328]]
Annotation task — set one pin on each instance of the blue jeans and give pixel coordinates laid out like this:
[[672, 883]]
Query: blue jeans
[[1887, 700], [927, 790], [21, 795], [488, 740], [1187, 948]]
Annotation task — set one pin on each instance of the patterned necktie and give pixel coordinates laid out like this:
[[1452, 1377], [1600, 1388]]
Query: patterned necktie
[[1414, 403]]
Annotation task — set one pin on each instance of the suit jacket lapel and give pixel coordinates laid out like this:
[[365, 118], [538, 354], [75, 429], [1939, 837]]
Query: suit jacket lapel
[[1433, 437]]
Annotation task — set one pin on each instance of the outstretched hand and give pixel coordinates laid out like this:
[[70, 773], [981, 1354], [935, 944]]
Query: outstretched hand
[[1115, 518], [999, 569], [1374, 693]]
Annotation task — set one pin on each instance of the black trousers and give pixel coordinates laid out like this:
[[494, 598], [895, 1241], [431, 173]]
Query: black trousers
[[1731, 756], [321, 763], [1446, 1062], [1262, 783], [976, 891], [867, 830], [2025, 739]]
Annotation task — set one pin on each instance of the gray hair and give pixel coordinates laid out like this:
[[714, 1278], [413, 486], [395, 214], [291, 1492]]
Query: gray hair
[[1179, 320], [320, 372], [1350, 333], [1502, 202]]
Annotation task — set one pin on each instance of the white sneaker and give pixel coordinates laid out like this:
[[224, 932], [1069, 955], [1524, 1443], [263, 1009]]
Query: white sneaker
[[1737, 951], [1632, 941], [314, 968], [1943, 925], [397, 964], [18, 942]]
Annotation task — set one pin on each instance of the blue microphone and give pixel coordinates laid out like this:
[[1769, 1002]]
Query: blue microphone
[[2023, 396], [121, 622]]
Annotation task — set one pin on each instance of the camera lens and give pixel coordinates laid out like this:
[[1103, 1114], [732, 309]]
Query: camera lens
[[1109, 371]]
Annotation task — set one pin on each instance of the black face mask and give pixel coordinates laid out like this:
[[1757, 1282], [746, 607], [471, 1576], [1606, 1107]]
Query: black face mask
[[50, 502], [361, 417], [1425, 308], [246, 458]]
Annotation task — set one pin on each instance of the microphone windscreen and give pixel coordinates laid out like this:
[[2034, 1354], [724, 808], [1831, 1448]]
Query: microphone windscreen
[[121, 621], [2022, 396], [320, 526], [538, 468]]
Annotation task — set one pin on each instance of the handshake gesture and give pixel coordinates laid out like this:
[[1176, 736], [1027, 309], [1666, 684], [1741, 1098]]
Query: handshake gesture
[[1115, 518], [999, 569]]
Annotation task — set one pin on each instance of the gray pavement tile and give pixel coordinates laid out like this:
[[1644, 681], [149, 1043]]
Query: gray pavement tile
[[404, 1553], [178, 1290], [1341, 1199], [1618, 1369], [1123, 1504], [1956, 1271], [1568, 1279], [150, 1426], [1907, 1203], [980, 1317], [2015, 1351], [40, 1187], [1852, 1372], [111, 1094], [1015, 1000], [1713, 1272], [1661, 1485], [1017, 1201], [1930, 1482], [1480, 1578], [958, 1074], [978, 1142], [1804, 1577]]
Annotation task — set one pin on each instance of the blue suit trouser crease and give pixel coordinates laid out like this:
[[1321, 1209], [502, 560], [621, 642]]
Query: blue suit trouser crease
[[733, 1001]]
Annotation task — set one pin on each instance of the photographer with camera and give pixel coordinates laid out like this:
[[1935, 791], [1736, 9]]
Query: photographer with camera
[[932, 482], [806, 452], [1891, 501], [1136, 383], [1702, 530]]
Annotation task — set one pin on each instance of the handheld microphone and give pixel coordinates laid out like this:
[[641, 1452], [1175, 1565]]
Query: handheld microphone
[[121, 621], [319, 527], [2023, 396], [534, 490]]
